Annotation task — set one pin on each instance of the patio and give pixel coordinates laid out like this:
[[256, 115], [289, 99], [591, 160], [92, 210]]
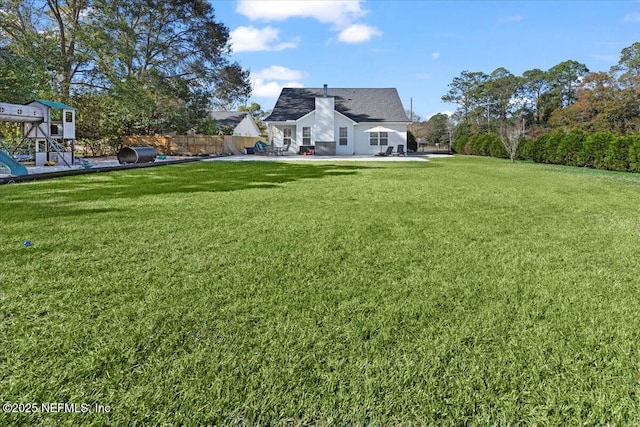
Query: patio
[[298, 158]]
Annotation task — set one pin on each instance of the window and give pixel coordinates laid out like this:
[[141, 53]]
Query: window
[[306, 136], [286, 138], [384, 138], [68, 116], [342, 136], [379, 138]]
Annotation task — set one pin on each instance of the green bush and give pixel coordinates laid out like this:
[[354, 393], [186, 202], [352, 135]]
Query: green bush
[[616, 157], [602, 150], [521, 147], [593, 150], [552, 142], [533, 149], [496, 149], [480, 144], [526, 149], [634, 154], [412, 143], [475, 145], [569, 147], [459, 143]]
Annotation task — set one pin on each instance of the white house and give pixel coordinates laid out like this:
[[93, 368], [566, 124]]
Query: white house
[[340, 121], [240, 121]]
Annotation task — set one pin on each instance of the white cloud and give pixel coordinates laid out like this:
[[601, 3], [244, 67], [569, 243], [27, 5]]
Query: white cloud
[[251, 39], [271, 89], [278, 72], [358, 33], [268, 82], [632, 17], [338, 12], [435, 55]]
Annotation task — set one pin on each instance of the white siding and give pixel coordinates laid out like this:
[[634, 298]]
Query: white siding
[[247, 127], [325, 111], [398, 137], [340, 122], [307, 121]]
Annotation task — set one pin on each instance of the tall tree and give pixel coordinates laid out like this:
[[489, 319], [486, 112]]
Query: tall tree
[[439, 129], [47, 34], [500, 90], [175, 50], [534, 84], [603, 105], [176, 38], [20, 79], [628, 66], [66, 15], [159, 58], [167, 61], [232, 87], [466, 91], [564, 78]]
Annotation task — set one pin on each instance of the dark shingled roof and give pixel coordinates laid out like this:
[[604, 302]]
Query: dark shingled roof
[[358, 104], [228, 118]]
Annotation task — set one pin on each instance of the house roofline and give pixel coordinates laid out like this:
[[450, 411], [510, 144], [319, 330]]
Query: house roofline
[[351, 120]]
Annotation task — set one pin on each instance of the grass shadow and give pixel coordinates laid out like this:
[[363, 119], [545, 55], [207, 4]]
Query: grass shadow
[[57, 197]]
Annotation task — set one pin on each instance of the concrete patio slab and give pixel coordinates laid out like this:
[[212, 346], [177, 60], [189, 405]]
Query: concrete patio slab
[[298, 158]]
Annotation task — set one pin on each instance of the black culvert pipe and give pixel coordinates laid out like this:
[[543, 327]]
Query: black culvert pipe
[[137, 155]]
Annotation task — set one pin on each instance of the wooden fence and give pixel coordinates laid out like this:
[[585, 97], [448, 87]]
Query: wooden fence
[[192, 145]]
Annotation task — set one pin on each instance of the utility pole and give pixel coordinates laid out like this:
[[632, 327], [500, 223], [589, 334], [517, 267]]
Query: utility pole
[[411, 109]]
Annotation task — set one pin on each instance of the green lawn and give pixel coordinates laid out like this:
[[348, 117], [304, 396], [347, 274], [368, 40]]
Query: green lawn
[[458, 291]]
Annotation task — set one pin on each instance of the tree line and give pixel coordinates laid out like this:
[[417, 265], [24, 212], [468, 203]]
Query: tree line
[[506, 115], [128, 66]]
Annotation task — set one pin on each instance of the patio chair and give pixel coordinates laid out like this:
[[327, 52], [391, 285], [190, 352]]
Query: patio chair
[[285, 149], [386, 153], [400, 151]]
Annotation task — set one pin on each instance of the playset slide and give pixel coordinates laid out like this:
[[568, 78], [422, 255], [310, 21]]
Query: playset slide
[[15, 168]]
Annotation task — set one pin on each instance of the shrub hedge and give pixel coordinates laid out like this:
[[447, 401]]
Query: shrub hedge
[[601, 150]]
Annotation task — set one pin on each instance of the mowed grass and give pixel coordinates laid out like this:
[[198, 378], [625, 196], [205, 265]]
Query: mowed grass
[[458, 291]]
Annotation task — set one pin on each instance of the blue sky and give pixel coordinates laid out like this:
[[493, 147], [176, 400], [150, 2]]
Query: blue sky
[[417, 47]]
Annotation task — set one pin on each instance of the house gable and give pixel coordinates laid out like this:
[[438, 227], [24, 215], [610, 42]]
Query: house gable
[[240, 121]]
